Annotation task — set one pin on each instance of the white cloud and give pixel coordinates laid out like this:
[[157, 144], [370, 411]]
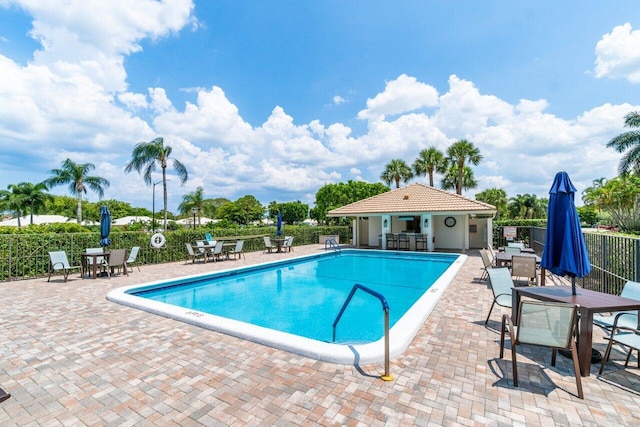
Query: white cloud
[[400, 95], [339, 100], [618, 54]]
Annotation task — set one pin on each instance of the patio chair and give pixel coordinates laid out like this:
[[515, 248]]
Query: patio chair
[[238, 250], [191, 254], [492, 253], [484, 254], [268, 246], [391, 241], [59, 262], [287, 245], [512, 250], [216, 253], [515, 245], [133, 255], [607, 320], [546, 324], [100, 262], [626, 336], [524, 266], [501, 285], [403, 242], [117, 259]]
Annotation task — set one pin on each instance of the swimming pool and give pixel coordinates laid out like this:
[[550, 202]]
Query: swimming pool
[[290, 310]]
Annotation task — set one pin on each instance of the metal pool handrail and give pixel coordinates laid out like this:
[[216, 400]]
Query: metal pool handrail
[[385, 306], [332, 244]]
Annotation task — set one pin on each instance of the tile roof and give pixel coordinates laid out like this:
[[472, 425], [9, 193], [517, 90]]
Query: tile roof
[[414, 198]]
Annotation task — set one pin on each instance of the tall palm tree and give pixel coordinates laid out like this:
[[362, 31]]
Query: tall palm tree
[[35, 196], [630, 141], [451, 178], [76, 175], [146, 155], [459, 153], [430, 160], [396, 170], [193, 200], [13, 200]]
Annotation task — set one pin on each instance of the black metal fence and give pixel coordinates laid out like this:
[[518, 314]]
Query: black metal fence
[[614, 259], [25, 256]]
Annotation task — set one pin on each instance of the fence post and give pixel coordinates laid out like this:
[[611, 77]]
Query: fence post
[[636, 270]]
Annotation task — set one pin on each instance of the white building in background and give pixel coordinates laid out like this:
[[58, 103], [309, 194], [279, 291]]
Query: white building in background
[[43, 219]]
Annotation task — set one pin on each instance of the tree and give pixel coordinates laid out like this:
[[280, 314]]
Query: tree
[[396, 170], [13, 201], [210, 206], [146, 155], [450, 180], [527, 206], [430, 160], [629, 142], [292, 212], [193, 200], [459, 153], [76, 176], [35, 196], [496, 197], [620, 198], [332, 196]]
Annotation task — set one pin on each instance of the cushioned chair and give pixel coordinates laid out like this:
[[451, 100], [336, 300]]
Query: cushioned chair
[[133, 256], [547, 324], [606, 321], [58, 262], [501, 285], [524, 266]]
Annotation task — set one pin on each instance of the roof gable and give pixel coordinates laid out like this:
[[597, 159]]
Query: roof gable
[[413, 198]]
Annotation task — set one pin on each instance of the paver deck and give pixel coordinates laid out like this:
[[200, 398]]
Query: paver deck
[[70, 357]]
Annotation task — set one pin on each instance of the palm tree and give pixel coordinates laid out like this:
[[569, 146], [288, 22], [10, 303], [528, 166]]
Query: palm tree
[[459, 153], [146, 155], [451, 177], [76, 175], [34, 196], [13, 200], [628, 141], [193, 200], [396, 170], [430, 160]]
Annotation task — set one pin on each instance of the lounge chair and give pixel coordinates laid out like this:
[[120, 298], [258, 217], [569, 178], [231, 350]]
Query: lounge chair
[[237, 250], [606, 321], [192, 254], [59, 262], [268, 246], [524, 266], [501, 285], [117, 259], [133, 256], [547, 324]]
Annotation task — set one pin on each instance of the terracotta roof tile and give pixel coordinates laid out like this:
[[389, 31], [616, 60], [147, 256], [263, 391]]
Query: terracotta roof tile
[[414, 198]]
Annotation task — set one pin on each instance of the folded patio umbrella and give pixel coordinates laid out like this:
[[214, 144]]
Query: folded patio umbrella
[[565, 252], [105, 226], [279, 225]]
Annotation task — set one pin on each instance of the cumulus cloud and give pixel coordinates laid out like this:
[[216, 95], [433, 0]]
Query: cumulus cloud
[[400, 95], [339, 100], [618, 54]]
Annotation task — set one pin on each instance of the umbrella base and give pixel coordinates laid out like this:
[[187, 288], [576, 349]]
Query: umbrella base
[[596, 357]]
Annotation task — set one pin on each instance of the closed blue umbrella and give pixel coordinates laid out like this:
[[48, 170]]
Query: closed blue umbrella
[[565, 252], [105, 226], [279, 225]]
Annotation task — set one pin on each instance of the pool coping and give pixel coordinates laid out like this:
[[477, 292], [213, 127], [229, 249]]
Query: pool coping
[[401, 334]]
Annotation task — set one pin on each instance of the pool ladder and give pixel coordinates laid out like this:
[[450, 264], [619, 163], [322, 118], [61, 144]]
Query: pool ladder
[[332, 244], [385, 306]]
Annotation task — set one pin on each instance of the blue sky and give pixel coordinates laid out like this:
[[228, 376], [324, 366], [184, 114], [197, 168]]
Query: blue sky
[[277, 98]]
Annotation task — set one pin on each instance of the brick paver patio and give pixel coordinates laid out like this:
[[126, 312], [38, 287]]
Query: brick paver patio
[[70, 357]]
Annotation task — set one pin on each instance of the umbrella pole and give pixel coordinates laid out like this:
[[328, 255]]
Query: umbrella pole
[[573, 285]]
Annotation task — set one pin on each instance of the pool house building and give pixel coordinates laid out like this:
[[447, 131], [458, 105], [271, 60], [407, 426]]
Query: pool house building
[[447, 221]]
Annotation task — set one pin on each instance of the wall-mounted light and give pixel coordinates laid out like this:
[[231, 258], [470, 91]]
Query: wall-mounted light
[[386, 223], [426, 222]]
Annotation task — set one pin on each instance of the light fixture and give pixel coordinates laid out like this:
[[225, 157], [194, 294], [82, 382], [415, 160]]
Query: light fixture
[[194, 210], [386, 223], [426, 222]]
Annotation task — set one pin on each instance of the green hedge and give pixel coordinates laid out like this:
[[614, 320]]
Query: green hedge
[[24, 255]]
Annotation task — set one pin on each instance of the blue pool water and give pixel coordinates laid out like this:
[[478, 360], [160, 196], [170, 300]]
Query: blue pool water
[[292, 304], [304, 297]]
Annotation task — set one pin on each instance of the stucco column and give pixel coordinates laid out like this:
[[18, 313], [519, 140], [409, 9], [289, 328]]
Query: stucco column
[[386, 228], [426, 225]]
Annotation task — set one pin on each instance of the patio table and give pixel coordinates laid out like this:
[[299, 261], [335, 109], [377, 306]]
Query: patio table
[[503, 259], [589, 302], [94, 264]]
